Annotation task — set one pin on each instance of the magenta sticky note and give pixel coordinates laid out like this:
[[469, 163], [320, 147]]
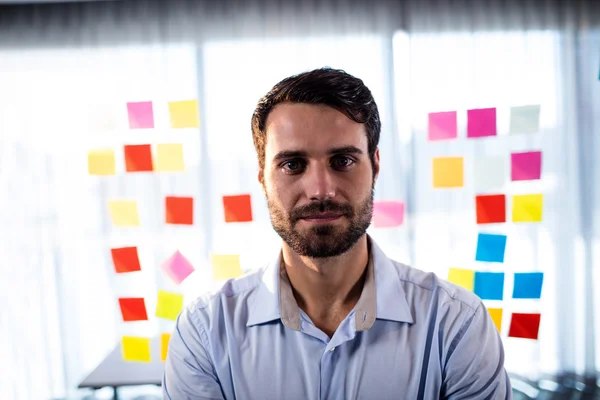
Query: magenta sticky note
[[526, 166], [177, 267], [141, 115], [442, 125], [388, 214], [481, 122]]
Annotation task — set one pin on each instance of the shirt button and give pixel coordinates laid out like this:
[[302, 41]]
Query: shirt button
[[332, 349]]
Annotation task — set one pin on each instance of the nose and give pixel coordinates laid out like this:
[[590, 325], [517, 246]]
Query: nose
[[319, 182]]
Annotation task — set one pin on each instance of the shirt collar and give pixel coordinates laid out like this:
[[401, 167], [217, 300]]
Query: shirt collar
[[382, 297]]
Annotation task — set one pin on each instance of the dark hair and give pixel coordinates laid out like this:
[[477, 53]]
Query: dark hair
[[333, 87]]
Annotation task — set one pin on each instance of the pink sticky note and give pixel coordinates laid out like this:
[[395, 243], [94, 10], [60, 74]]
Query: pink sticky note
[[141, 115], [387, 214], [177, 267], [481, 122], [526, 166], [442, 125]]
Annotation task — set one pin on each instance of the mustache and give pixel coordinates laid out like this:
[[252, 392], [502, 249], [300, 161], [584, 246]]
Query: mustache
[[320, 207]]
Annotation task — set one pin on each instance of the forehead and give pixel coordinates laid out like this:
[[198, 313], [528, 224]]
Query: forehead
[[313, 128]]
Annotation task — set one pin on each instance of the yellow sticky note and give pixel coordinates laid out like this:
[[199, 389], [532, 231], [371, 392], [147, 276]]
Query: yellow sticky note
[[123, 212], [527, 208], [164, 345], [168, 305], [462, 277], [496, 314], [169, 157], [135, 348], [448, 172], [101, 162], [226, 266], [184, 114]]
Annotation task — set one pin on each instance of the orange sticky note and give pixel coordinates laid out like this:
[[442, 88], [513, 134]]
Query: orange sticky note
[[164, 345], [237, 208], [135, 348], [133, 309], [448, 172], [125, 259], [179, 210], [138, 158], [496, 314]]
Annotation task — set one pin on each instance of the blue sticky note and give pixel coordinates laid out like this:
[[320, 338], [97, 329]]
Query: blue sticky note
[[490, 248], [489, 285], [528, 285]]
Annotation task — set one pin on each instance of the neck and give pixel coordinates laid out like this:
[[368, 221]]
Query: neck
[[327, 288]]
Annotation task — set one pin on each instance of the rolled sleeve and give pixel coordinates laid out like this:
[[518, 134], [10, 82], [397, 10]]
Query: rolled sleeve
[[189, 373], [475, 364]]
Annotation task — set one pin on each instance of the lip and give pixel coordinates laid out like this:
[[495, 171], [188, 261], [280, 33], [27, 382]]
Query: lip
[[323, 218]]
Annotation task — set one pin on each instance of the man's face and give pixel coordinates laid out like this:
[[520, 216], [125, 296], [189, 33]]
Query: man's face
[[318, 178]]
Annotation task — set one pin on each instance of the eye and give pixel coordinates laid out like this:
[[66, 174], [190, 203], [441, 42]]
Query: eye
[[293, 166], [342, 162]]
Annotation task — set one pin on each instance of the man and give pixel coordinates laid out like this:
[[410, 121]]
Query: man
[[331, 317]]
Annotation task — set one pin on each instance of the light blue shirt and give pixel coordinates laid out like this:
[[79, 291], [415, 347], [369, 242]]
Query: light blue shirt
[[410, 336]]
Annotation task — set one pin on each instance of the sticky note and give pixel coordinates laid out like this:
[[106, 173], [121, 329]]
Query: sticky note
[[133, 309], [528, 285], [524, 326], [387, 214], [490, 208], [490, 247], [123, 213], [168, 305], [481, 122], [125, 259], [442, 126], [135, 348], [101, 162], [141, 115], [169, 157], [138, 158], [177, 267], [237, 208], [179, 210], [448, 172], [489, 285], [496, 315], [527, 207], [489, 172], [526, 166], [524, 119], [184, 114], [226, 266], [165, 338], [462, 277]]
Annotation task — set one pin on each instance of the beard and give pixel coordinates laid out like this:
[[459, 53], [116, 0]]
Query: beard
[[323, 240]]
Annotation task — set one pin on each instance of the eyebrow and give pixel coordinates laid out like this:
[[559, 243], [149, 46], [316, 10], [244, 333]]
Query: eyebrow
[[283, 155]]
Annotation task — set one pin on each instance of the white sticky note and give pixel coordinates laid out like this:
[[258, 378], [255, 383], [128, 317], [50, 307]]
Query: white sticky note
[[489, 172], [525, 119]]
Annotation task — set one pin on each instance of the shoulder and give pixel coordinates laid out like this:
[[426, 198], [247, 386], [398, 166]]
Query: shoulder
[[423, 287]]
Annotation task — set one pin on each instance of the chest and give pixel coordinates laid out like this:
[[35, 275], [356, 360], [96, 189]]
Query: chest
[[278, 363]]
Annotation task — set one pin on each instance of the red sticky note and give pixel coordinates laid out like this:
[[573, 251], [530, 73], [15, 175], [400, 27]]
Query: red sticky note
[[491, 208], [125, 259], [237, 208], [141, 115], [526, 166], [524, 326], [138, 158], [481, 122], [442, 126], [133, 309], [179, 210]]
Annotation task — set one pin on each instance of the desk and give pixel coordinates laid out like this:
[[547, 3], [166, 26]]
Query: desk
[[114, 372]]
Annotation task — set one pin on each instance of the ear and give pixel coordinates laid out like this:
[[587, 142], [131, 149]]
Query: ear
[[261, 177], [376, 165]]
